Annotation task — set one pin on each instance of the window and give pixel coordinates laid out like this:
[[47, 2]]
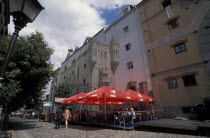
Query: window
[[125, 29], [84, 65], [173, 24], [105, 55], [130, 65], [166, 3], [180, 48], [132, 88], [95, 52], [105, 75], [172, 83], [151, 94], [128, 47], [189, 80], [101, 55], [84, 81]]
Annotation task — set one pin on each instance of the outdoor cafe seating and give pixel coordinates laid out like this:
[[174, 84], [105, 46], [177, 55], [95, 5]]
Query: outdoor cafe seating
[[107, 96]]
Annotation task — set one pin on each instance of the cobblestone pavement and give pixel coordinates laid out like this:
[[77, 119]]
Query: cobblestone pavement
[[35, 129]]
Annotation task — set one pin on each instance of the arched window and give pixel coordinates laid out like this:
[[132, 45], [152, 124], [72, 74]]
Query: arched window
[[95, 52]]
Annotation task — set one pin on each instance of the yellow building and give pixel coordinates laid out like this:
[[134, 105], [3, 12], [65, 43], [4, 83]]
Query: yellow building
[[176, 35]]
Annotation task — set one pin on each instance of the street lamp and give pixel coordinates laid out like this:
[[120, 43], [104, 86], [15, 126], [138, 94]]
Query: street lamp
[[23, 12]]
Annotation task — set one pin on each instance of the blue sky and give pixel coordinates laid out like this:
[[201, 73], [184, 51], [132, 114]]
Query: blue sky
[[110, 15]]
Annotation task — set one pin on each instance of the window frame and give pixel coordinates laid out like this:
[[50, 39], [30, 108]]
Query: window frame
[[170, 83], [170, 24], [180, 46], [125, 29], [128, 46], [191, 82], [130, 65], [84, 81]]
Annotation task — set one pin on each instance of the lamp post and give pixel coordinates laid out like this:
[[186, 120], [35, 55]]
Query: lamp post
[[53, 99], [23, 12]]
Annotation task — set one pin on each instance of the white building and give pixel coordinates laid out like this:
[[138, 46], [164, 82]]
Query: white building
[[115, 57]]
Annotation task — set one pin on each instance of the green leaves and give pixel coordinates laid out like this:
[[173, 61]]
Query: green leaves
[[61, 92], [30, 66], [9, 90]]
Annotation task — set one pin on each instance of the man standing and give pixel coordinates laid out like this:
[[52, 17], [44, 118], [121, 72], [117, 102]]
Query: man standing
[[58, 119], [67, 115]]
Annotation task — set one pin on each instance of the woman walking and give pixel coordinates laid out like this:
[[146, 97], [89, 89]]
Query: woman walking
[[67, 115]]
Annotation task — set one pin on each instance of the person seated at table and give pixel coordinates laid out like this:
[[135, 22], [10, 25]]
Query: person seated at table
[[83, 115], [133, 114], [87, 114], [127, 113], [79, 115], [115, 112], [120, 112]]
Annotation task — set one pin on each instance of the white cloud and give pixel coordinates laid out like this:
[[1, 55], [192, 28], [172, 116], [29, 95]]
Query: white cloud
[[66, 23], [110, 4]]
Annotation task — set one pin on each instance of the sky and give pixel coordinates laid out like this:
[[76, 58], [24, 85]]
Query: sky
[[66, 23]]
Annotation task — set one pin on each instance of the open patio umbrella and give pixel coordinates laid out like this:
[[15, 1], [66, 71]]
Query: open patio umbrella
[[64, 101], [72, 99], [98, 102], [105, 94], [133, 96]]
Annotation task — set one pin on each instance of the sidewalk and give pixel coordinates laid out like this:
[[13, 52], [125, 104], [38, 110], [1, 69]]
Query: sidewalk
[[20, 134], [177, 124], [35, 129]]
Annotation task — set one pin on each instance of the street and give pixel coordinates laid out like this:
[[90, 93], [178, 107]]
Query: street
[[34, 129]]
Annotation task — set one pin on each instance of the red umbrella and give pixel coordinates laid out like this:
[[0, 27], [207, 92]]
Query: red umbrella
[[64, 101], [73, 99], [98, 103], [105, 94], [133, 96]]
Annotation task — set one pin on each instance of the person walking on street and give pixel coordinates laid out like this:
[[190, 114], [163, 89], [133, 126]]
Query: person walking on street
[[58, 119], [67, 115]]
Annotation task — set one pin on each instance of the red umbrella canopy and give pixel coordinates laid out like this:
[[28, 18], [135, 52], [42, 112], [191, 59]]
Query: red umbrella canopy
[[99, 103], [73, 99], [105, 93], [133, 96], [64, 101]]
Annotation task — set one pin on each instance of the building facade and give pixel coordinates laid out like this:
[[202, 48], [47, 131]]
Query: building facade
[[176, 35], [113, 57]]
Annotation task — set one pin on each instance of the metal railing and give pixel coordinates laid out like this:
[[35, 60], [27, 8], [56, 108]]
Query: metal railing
[[116, 118]]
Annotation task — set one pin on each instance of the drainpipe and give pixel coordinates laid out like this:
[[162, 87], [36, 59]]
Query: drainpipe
[[142, 44]]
